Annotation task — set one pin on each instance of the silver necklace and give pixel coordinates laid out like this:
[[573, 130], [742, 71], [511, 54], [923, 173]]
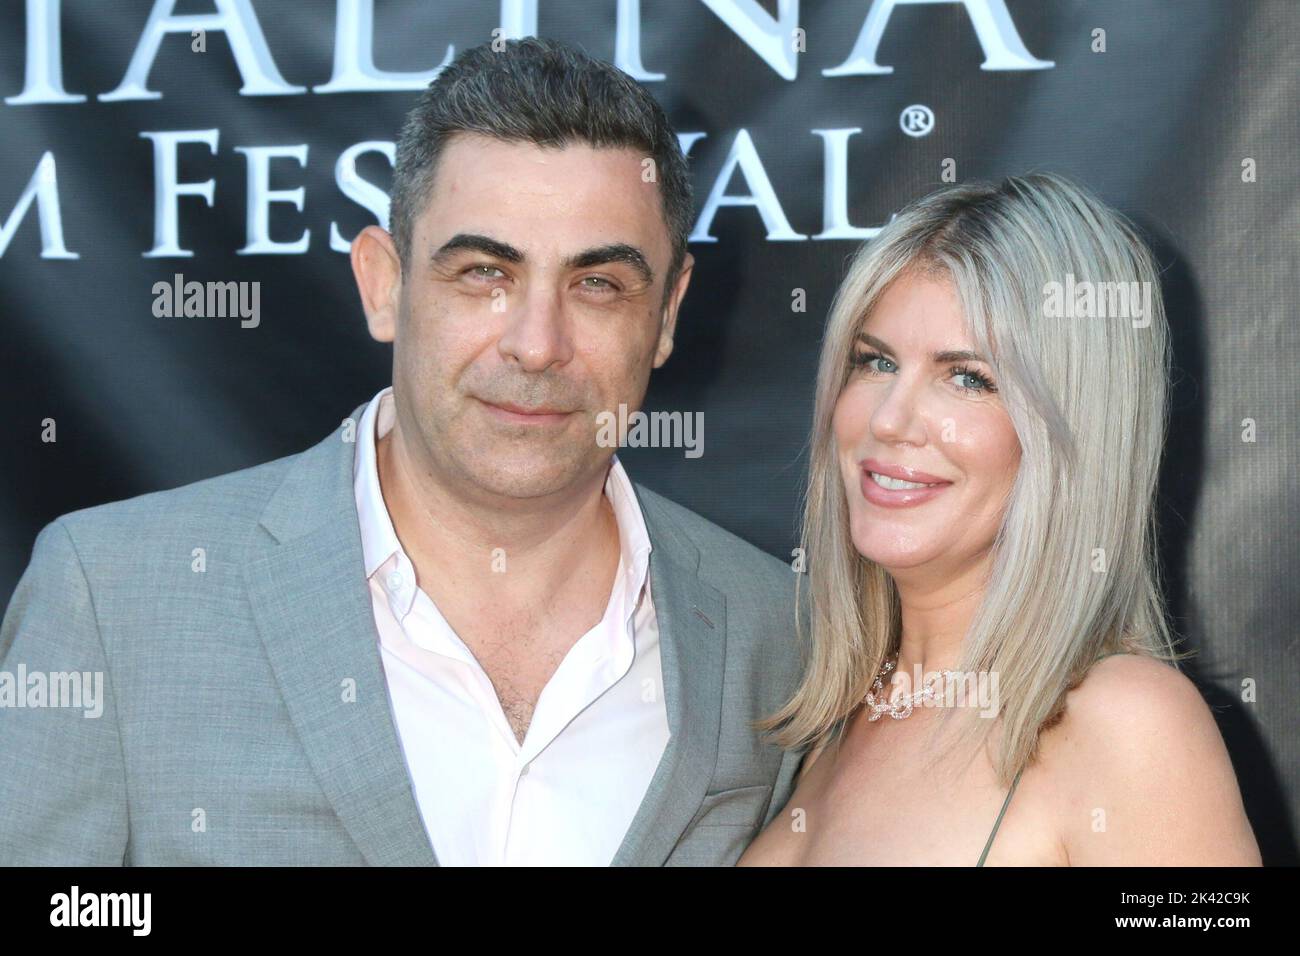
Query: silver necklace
[[878, 704]]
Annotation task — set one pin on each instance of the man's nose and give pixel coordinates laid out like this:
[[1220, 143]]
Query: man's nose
[[536, 333]]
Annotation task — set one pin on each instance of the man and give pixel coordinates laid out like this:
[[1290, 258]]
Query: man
[[453, 631]]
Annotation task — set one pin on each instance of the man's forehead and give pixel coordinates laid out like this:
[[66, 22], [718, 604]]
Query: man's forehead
[[578, 198], [472, 156]]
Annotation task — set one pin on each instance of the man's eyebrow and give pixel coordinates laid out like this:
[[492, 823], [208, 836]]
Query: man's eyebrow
[[613, 252], [474, 242], [939, 358], [597, 255]]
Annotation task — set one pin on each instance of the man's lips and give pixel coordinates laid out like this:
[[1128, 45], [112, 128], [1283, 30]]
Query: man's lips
[[525, 414]]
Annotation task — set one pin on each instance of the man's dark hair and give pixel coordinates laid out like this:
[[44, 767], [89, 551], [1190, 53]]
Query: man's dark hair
[[547, 93]]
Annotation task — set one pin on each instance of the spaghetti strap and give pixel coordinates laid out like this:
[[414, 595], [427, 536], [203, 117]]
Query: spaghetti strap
[[1005, 803]]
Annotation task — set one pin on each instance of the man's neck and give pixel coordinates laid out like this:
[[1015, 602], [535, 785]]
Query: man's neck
[[520, 551]]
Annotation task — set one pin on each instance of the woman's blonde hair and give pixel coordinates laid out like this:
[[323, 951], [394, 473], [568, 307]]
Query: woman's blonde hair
[[1073, 572]]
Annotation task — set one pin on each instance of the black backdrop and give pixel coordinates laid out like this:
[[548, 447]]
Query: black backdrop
[[1187, 121]]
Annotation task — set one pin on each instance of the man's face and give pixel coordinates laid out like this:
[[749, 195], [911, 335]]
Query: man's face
[[533, 299]]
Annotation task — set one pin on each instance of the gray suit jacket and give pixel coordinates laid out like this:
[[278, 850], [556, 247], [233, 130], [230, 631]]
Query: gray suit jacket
[[226, 736]]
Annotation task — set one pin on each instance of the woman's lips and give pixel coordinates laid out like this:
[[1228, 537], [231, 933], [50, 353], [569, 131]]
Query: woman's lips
[[910, 487], [903, 473]]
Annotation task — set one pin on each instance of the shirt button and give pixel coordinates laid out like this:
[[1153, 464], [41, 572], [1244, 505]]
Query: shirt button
[[395, 581], [524, 771]]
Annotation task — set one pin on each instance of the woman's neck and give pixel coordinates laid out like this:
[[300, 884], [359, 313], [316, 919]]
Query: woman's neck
[[936, 614]]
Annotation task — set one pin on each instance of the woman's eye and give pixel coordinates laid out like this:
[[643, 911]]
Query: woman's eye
[[971, 381], [874, 362]]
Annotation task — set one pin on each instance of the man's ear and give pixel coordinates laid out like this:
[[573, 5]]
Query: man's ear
[[668, 324], [378, 271]]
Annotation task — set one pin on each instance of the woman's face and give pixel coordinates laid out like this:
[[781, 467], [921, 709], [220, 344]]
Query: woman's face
[[926, 449]]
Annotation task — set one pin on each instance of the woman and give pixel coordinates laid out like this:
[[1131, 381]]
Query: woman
[[980, 504]]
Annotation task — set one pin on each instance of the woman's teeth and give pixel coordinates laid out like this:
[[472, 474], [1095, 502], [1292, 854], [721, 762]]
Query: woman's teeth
[[896, 484]]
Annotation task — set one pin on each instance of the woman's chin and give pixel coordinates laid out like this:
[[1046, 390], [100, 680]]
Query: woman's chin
[[895, 557]]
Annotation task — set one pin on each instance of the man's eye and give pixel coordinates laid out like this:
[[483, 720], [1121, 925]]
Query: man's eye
[[599, 283], [485, 272]]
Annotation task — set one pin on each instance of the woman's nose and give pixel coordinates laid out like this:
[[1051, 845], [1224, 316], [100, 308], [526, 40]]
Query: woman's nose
[[898, 417]]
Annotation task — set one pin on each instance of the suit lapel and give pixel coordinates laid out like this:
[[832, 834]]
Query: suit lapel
[[692, 639], [312, 606], [309, 597]]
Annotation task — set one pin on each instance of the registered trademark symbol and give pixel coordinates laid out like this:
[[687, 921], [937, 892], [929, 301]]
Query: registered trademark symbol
[[916, 120]]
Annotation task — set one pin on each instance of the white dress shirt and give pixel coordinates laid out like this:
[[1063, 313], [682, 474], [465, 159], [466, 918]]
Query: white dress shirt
[[566, 795]]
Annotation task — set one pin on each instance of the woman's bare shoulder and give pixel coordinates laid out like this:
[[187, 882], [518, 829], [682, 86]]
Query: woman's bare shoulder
[[1143, 772]]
